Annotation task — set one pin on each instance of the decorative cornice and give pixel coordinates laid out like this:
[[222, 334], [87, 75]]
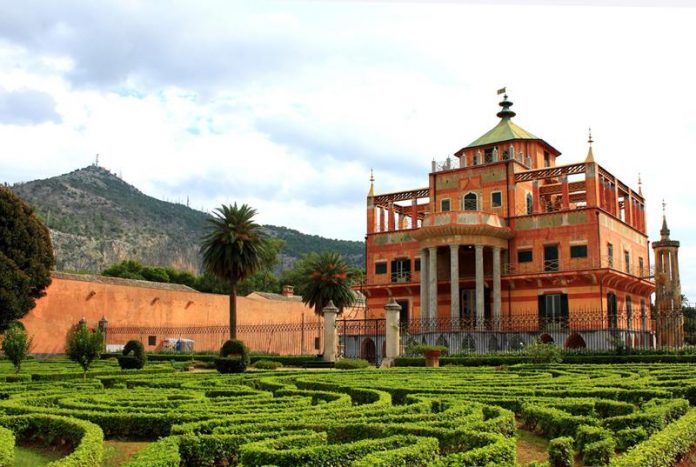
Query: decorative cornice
[[483, 230]]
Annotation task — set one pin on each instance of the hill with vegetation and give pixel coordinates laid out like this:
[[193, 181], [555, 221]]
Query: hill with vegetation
[[96, 220]]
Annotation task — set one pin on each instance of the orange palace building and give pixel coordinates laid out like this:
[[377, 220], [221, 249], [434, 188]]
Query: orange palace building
[[506, 239]]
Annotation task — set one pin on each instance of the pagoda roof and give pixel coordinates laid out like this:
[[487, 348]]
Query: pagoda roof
[[505, 130]]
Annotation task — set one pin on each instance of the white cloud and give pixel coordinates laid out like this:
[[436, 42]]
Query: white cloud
[[287, 105]]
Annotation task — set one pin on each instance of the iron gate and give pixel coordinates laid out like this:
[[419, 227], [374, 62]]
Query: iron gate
[[362, 338]]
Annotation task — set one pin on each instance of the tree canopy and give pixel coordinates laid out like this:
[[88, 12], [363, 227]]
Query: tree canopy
[[26, 258], [323, 277], [234, 248]]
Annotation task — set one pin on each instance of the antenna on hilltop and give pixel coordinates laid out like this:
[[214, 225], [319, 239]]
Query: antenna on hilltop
[[96, 161]]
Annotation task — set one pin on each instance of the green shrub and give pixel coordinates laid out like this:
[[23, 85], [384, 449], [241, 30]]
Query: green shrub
[[234, 357], [136, 360], [266, 365], [86, 439], [351, 364], [664, 447], [551, 421], [7, 448], [83, 346], [599, 452], [587, 434], [163, 453], [561, 452], [629, 437], [543, 353], [16, 344]]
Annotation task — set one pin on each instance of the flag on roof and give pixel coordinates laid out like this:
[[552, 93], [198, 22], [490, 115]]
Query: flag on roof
[[501, 91]]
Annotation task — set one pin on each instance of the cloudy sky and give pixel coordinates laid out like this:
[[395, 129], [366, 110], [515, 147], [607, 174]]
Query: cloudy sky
[[288, 105]]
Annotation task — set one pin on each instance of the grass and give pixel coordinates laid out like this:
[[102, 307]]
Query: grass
[[531, 447], [30, 456], [119, 452]]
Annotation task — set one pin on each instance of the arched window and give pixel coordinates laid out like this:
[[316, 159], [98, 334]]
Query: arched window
[[470, 202], [530, 203]]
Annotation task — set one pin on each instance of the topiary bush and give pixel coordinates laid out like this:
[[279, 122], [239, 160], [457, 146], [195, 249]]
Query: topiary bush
[[561, 452], [351, 364], [16, 344], [136, 360], [599, 452], [234, 357], [267, 365]]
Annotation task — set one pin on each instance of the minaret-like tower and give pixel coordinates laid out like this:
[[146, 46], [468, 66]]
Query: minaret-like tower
[[668, 299]]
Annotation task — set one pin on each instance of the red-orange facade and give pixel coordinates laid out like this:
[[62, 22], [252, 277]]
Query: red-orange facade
[[525, 238]]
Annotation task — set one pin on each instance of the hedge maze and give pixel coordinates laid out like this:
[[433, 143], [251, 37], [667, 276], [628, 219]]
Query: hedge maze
[[620, 415]]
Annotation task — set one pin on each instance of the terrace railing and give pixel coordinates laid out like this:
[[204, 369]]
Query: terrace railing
[[580, 264]]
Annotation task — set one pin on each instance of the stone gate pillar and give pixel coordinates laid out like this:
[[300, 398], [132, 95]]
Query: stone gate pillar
[[391, 331], [330, 312]]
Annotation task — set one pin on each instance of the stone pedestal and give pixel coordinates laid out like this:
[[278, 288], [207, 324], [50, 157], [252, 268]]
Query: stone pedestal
[[391, 314], [330, 312]]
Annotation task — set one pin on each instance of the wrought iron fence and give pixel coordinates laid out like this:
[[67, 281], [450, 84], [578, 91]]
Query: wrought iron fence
[[592, 330], [298, 338]]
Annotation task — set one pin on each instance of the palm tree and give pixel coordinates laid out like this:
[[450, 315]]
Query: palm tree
[[326, 276], [233, 248]]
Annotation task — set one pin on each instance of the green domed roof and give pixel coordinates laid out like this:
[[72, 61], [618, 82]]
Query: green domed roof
[[505, 130]]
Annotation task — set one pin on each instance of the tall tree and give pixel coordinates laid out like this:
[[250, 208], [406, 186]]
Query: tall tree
[[233, 248], [26, 258], [325, 276], [83, 345]]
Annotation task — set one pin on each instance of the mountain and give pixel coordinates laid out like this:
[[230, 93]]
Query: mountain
[[96, 219]]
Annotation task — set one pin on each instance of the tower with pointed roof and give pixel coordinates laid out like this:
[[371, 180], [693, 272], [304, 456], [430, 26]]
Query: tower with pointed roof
[[504, 243], [668, 296]]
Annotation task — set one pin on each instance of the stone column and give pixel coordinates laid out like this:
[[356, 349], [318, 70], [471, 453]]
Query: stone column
[[565, 195], [454, 282], [536, 201], [424, 265], [496, 287], [414, 213], [479, 287], [432, 282], [391, 219], [330, 312], [391, 331]]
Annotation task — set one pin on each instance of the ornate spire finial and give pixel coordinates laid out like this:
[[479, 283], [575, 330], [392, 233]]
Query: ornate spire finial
[[372, 184], [505, 104], [590, 155], [664, 231], [640, 185]]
